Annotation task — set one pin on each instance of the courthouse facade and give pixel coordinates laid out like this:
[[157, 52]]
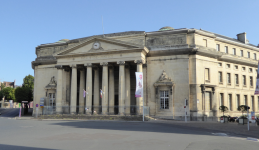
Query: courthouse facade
[[205, 68]]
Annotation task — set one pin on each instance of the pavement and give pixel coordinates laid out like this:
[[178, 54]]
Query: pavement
[[231, 128], [28, 133]]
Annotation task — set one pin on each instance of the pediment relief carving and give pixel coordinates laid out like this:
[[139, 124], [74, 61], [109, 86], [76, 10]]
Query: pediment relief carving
[[97, 45], [164, 80], [52, 84]]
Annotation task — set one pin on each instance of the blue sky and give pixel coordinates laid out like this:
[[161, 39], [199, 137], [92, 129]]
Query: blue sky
[[25, 24]]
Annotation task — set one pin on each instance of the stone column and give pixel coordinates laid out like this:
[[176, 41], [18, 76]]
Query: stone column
[[96, 90], [89, 89], [105, 88], [127, 88], [81, 91], [139, 99], [59, 89], [111, 90], [73, 90], [121, 87]]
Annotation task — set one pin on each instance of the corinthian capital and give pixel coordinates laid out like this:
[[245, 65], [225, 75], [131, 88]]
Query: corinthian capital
[[88, 64], [104, 63], [139, 61], [121, 62]]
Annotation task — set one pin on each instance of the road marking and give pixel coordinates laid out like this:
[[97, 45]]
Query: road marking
[[252, 139], [220, 134]]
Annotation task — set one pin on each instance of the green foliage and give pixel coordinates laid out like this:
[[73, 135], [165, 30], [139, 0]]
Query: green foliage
[[242, 108], [1, 95], [8, 92], [2, 86], [223, 108], [28, 81], [23, 94], [243, 116]]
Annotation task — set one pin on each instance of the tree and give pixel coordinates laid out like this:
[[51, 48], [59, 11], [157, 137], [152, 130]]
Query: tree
[[2, 86], [23, 94], [28, 81], [8, 93], [223, 108], [1, 95], [242, 108]]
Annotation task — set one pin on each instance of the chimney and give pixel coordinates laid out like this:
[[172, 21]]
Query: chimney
[[242, 37]]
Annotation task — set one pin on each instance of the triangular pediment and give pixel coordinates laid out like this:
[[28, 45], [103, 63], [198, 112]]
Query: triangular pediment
[[97, 45]]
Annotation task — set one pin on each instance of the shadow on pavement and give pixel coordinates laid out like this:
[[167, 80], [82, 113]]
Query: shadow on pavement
[[13, 147], [9, 112], [133, 126]]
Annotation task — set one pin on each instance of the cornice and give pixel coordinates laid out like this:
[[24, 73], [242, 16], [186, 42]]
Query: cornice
[[101, 53], [236, 43]]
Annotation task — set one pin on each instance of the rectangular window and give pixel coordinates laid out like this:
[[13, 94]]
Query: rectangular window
[[228, 66], [217, 47], [220, 64], [241, 53], [207, 74], [254, 56], [236, 67], [250, 70], [245, 100], [251, 81], [205, 42], [238, 100], [236, 79], [220, 77], [226, 49], [221, 100], [228, 78], [164, 100], [230, 101], [234, 51], [244, 80], [252, 103], [243, 68], [248, 54]]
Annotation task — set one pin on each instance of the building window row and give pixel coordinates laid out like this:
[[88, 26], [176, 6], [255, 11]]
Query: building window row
[[230, 102], [228, 66], [220, 76], [234, 51]]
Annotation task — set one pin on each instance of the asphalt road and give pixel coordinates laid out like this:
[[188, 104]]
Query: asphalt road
[[111, 135], [9, 112]]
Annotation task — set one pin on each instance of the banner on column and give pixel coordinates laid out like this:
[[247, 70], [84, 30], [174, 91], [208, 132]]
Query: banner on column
[[257, 81], [139, 84]]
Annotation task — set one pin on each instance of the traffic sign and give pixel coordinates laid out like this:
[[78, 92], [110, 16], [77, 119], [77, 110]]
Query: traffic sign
[[37, 105]]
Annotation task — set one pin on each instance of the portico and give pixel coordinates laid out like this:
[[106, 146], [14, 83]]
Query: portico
[[104, 67]]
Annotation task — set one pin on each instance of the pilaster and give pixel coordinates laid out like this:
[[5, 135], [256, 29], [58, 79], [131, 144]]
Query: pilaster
[[111, 90], [121, 87], [59, 89], [73, 89], [81, 90], [105, 88], [139, 99], [89, 89]]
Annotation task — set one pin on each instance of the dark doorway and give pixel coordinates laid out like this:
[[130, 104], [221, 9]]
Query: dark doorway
[[116, 103]]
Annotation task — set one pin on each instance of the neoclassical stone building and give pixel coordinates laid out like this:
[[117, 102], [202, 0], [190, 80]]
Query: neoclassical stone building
[[206, 68]]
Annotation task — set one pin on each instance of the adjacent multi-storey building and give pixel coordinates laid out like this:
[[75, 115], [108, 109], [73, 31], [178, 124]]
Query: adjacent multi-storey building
[[205, 68]]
